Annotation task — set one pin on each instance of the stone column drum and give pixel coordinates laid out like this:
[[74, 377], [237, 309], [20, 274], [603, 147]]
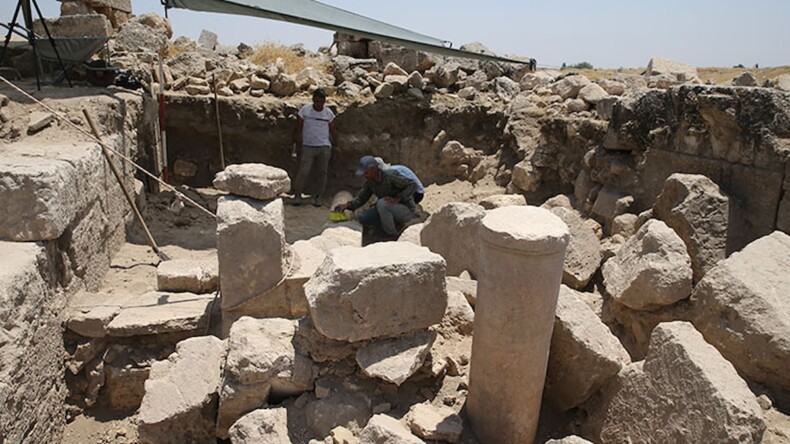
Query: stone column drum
[[521, 262]]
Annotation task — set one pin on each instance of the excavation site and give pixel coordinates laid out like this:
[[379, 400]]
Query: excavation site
[[374, 243]]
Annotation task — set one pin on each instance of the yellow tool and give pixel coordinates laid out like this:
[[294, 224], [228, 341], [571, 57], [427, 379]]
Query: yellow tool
[[338, 216]]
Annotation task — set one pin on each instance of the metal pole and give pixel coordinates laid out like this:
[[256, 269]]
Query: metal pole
[[219, 123], [162, 127]]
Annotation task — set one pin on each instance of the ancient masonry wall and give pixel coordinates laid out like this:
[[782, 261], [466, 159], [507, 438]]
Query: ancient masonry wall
[[64, 217]]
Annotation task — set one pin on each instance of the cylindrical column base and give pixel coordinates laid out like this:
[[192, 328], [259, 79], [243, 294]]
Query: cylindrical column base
[[521, 262]]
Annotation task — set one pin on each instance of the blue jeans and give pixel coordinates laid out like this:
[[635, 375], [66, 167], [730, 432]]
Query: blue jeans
[[386, 215]]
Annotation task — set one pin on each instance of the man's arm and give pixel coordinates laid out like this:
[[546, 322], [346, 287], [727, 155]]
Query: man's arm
[[297, 138], [333, 134], [405, 187], [362, 197]]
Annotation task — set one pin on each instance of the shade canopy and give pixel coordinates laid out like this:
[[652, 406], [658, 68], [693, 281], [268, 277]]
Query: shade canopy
[[320, 15]]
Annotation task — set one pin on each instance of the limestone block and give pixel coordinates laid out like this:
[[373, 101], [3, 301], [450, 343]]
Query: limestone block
[[452, 233], [250, 247], [416, 80], [319, 347], [459, 318], [467, 93], [583, 254], [592, 94], [576, 105], [569, 87], [525, 176], [782, 82], [745, 79], [339, 409], [207, 40], [683, 386], [611, 203], [626, 225], [283, 85], [444, 75], [384, 289], [537, 79], [393, 69], [584, 356], [435, 423], [694, 206], [395, 360], [386, 429], [466, 286], [197, 90], [384, 90], [161, 312], [502, 200], [613, 87], [188, 275], [742, 307], [313, 77], [254, 180], [261, 360], [121, 5], [39, 120], [240, 85], [573, 439], [180, 401], [651, 270], [91, 25], [259, 83], [262, 426], [41, 193], [605, 107], [659, 65], [412, 234], [92, 322]]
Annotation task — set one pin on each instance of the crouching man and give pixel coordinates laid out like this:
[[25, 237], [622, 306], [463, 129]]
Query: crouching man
[[395, 205]]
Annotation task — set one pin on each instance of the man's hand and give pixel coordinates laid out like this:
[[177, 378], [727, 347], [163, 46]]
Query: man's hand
[[343, 207], [393, 200]]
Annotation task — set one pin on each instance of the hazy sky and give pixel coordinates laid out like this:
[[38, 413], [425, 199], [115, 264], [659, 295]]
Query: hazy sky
[[606, 33]]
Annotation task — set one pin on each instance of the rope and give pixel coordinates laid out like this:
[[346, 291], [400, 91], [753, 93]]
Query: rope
[[90, 136]]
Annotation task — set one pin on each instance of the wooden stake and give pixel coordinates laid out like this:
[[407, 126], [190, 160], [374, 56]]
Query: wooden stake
[[129, 199], [219, 124]]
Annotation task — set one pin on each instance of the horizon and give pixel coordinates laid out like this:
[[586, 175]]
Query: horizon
[[760, 38]]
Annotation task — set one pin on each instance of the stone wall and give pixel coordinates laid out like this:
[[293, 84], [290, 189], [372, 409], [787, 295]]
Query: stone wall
[[64, 218]]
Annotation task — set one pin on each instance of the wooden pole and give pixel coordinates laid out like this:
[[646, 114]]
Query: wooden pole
[[129, 199], [219, 124]]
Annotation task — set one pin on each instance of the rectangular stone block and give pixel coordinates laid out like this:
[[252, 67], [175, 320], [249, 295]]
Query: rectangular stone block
[[188, 275], [157, 312], [93, 25], [250, 247], [384, 289], [121, 5]]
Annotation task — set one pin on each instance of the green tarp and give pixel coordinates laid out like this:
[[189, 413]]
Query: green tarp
[[319, 15]]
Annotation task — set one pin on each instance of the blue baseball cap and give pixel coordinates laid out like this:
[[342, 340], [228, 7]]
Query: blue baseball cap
[[366, 163]]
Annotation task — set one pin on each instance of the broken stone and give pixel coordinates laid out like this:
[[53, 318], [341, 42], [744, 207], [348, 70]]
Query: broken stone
[[525, 176], [592, 94], [584, 355], [464, 285], [180, 401], [283, 85], [353, 295], [569, 87], [435, 423], [197, 90], [342, 435], [395, 360], [681, 71], [611, 203], [693, 206], [188, 275], [39, 120], [157, 312], [207, 40], [502, 200], [250, 247], [239, 85], [683, 384], [583, 254], [459, 316], [452, 232], [341, 409], [254, 180], [262, 426], [261, 361], [412, 234], [93, 322], [741, 307], [651, 270], [384, 90], [386, 429]]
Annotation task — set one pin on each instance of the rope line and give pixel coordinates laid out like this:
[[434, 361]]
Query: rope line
[[90, 136]]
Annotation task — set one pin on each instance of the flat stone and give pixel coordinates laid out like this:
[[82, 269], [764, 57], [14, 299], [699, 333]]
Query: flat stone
[[382, 290], [502, 200], [158, 312], [92, 322], [395, 360], [386, 429], [468, 287], [435, 423], [340, 409], [254, 180], [180, 400], [188, 275], [39, 120]]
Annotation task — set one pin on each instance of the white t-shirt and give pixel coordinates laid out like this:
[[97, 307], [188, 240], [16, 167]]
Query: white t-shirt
[[316, 125]]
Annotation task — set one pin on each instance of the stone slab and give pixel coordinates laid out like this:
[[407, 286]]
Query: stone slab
[[158, 312]]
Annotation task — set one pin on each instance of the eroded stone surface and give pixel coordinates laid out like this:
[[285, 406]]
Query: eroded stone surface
[[161, 312], [395, 360], [386, 429], [254, 180], [452, 232], [188, 275], [436, 423], [381, 290], [262, 426]]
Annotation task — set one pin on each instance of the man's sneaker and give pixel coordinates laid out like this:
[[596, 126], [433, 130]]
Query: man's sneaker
[[316, 202]]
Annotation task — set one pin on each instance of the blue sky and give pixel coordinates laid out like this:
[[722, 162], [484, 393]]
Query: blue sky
[[606, 33]]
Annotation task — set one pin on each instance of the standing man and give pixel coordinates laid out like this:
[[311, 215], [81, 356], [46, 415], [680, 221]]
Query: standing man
[[395, 192], [315, 132]]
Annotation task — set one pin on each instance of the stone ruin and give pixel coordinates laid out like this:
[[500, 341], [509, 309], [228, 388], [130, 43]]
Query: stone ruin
[[615, 273]]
